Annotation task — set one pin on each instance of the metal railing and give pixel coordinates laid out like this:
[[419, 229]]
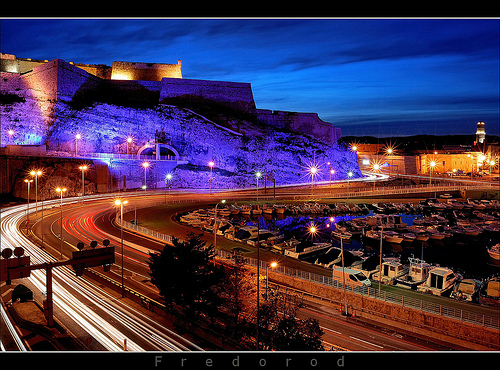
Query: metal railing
[[492, 322]]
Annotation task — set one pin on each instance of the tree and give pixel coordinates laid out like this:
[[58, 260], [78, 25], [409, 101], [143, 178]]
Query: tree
[[186, 276], [281, 329]]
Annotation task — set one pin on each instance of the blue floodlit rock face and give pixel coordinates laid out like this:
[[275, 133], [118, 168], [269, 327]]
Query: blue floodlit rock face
[[104, 128]]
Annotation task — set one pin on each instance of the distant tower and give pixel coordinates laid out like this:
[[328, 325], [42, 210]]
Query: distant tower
[[480, 134]]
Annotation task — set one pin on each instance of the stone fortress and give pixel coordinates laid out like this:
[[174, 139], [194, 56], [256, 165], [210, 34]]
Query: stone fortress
[[58, 80], [58, 114]]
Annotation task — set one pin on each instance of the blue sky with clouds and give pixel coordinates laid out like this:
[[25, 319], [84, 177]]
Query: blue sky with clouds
[[368, 76]]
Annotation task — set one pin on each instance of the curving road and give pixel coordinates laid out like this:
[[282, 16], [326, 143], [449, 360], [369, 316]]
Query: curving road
[[92, 311]]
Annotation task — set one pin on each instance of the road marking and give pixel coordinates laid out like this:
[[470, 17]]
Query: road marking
[[335, 331], [364, 341]]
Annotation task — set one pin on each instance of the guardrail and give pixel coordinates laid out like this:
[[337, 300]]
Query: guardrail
[[492, 322]]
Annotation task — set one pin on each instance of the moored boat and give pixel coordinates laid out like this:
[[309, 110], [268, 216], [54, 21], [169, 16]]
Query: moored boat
[[466, 290], [393, 237], [440, 281], [489, 293], [494, 251], [418, 272]]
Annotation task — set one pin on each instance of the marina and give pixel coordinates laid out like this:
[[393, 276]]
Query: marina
[[457, 244]]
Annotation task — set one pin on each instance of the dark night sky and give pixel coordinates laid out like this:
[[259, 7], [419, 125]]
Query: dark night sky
[[382, 77]]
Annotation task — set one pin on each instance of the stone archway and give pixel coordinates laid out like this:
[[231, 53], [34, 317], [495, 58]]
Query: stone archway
[[157, 148]]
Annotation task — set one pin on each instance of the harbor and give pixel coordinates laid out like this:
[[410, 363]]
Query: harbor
[[455, 240]]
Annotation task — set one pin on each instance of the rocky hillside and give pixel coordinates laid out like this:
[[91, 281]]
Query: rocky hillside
[[238, 147]]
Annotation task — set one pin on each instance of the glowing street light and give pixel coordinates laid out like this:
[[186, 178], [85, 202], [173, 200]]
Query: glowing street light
[[215, 228], [36, 174], [10, 133], [28, 213], [432, 164], [61, 191], [145, 165], [129, 141], [168, 179], [211, 164], [120, 203], [83, 168], [272, 265], [77, 137], [313, 171], [258, 175]]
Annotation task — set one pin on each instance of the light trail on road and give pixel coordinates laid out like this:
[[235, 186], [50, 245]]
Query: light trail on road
[[105, 318]]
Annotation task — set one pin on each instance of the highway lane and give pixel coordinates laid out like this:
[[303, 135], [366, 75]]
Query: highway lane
[[107, 319], [95, 223]]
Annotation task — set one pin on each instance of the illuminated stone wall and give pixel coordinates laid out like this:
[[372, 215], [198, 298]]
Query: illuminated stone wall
[[236, 94], [145, 71]]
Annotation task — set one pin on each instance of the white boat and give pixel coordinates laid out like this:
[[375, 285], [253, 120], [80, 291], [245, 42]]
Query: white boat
[[267, 209], [316, 247], [409, 237], [256, 210], [245, 209], [418, 272], [280, 208], [440, 281], [393, 237], [341, 232], [390, 272], [466, 290], [374, 235], [494, 251]]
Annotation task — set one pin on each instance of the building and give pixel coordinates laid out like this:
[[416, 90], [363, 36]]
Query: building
[[480, 133]]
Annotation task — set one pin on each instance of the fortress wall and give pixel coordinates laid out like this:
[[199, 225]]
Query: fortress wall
[[9, 63], [145, 71], [98, 70], [304, 123], [71, 79], [236, 94]]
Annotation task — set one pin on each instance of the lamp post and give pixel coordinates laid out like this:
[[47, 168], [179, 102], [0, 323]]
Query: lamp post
[[215, 223], [168, 178], [28, 213], [129, 141], [83, 168], [145, 165], [343, 274], [432, 164], [77, 137], [313, 170], [36, 174], [272, 265], [120, 203], [211, 164], [10, 133], [61, 191], [349, 175], [258, 175]]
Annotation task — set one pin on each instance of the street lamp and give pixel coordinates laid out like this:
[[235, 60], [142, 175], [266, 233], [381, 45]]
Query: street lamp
[[211, 164], [28, 213], [61, 191], [168, 178], [215, 223], [83, 168], [129, 141], [272, 265], [432, 164], [313, 171], [145, 165], [36, 174], [120, 203], [258, 175], [349, 175], [77, 137], [10, 133]]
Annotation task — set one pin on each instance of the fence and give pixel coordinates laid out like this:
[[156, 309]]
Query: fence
[[492, 322]]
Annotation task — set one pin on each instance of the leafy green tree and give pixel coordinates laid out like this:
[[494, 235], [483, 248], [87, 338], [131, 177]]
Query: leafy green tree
[[186, 276]]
